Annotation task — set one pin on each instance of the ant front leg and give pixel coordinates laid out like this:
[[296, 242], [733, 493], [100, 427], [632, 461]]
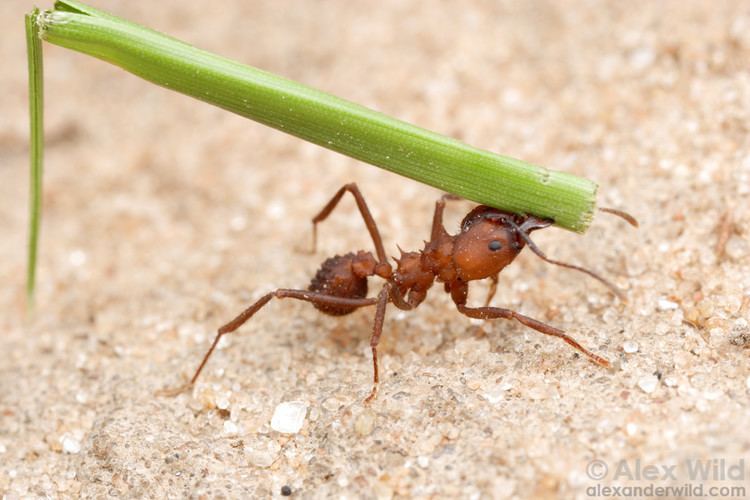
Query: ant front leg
[[497, 313], [492, 290], [282, 293], [437, 217], [372, 228]]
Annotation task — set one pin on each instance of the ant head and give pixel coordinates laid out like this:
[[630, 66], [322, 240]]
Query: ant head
[[489, 240], [515, 229]]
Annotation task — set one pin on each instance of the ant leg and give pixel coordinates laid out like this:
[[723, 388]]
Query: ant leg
[[437, 218], [497, 312], [492, 291], [377, 329], [281, 293], [363, 210]]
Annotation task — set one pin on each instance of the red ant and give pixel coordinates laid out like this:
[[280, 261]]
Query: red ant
[[489, 240]]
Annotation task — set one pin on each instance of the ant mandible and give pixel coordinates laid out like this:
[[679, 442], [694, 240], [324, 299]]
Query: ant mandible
[[488, 241]]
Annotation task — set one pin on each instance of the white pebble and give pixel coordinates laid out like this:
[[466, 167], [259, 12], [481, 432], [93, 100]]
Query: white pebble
[[276, 210], [77, 258], [713, 395], [70, 444], [262, 451], [494, 395], [630, 347], [237, 223], [702, 405], [289, 417], [666, 305], [648, 383], [642, 58], [222, 402], [230, 427], [423, 461]]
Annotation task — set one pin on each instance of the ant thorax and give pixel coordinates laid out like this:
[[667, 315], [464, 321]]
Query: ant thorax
[[411, 277]]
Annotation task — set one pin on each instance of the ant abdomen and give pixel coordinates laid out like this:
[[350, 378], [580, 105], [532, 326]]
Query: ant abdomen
[[339, 276]]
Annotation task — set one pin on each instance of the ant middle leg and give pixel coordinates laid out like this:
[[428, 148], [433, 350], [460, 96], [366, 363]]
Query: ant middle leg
[[377, 330], [282, 293], [372, 228], [500, 313]]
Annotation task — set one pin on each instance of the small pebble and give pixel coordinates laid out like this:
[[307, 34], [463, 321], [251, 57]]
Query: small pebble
[[474, 384], [276, 210], [262, 451], [642, 58], [702, 405], [222, 402], [364, 424], [70, 444], [494, 395], [631, 429], [289, 417], [666, 305], [286, 491], [382, 491], [237, 223], [77, 258], [648, 383], [630, 347], [230, 427], [423, 461], [713, 395]]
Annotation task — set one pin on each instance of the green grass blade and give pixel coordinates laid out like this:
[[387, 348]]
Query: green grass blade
[[323, 119], [36, 118]]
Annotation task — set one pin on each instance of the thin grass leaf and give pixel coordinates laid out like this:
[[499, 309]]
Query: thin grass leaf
[[36, 122]]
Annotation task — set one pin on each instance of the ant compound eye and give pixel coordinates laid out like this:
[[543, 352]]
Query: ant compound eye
[[495, 245]]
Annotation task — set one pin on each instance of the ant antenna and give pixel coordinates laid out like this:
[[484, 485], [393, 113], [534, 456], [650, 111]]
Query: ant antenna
[[622, 214], [542, 256]]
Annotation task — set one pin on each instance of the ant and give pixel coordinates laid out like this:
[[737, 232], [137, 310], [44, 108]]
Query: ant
[[489, 240]]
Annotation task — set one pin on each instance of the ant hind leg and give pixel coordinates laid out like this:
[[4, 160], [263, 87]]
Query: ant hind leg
[[244, 316]]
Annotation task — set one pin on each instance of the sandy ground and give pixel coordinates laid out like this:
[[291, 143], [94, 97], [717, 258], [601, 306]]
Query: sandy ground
[[165, 217]]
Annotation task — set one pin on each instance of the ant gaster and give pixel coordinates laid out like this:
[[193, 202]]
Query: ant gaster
[[488, 241]]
